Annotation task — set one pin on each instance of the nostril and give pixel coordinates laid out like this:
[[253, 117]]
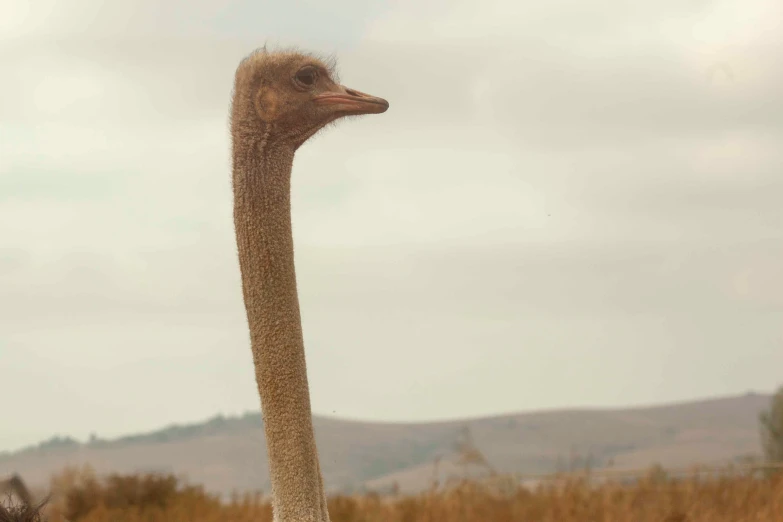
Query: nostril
[[352, 92]]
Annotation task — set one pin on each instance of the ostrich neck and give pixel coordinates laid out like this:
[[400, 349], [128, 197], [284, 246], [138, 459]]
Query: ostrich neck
[[262, 220]]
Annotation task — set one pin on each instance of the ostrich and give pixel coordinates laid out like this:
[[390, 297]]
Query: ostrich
[[26, 511], [15, 484], [280, 100]]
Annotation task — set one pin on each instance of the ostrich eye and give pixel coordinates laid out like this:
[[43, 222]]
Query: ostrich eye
[[306, 76]]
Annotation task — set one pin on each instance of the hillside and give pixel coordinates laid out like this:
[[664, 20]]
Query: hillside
[[226, 454]]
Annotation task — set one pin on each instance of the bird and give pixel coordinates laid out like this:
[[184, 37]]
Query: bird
[[281, 99], [26, 511], [15, 484]]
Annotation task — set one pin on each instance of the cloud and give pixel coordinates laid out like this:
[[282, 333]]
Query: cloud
[[563, 205], [576, 74]]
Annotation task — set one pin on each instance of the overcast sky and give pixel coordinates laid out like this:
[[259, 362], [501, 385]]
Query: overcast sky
[[568, 203]]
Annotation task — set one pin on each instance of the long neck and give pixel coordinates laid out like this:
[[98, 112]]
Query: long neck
[[262, 219]]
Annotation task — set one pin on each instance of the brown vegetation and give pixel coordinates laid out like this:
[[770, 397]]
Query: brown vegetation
[[81, 497], [22, 511]]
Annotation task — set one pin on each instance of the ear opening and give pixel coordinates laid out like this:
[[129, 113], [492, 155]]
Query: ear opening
[[267, 104]]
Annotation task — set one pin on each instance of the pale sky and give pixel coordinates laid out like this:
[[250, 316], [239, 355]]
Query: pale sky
[[567, 204]]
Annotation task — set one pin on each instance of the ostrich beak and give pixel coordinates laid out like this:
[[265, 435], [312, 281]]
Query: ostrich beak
[[354, 102]]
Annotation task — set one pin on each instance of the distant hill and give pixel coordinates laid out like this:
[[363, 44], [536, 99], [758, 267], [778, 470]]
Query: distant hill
[[228, 453]]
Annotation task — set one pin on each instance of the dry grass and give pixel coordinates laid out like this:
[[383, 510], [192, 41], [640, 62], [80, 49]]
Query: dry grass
[[17, 513], [79, 496]]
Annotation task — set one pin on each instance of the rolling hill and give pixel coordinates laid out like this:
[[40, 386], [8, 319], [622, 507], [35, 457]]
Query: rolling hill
[[227, 453]]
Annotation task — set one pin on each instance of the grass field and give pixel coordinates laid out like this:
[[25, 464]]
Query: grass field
[[78, 495]]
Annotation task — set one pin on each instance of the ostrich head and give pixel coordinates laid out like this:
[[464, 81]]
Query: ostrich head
[[286, 97]]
